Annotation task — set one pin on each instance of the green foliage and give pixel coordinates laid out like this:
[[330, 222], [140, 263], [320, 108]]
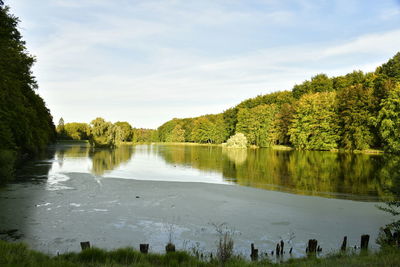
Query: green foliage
[[16, 254], [350, 79], [279, 133], [230, 119], [8, 158], [74, 131], [238, 140], [165, 130], [177, 134], [389, 120], [126, 130], [308, 117], [104, 133], [356, 107], [391, 68], [256, 124], [315, 122], [277, 98], [141, 135], [26, 125], [318, 83]]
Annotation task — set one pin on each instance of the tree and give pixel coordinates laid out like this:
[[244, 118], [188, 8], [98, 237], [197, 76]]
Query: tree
[[279, 133], [177, 134], [104, 133], [356, 107], [315, 123], [26, 125], [76, 131], [126, 130], [60, 126], [256, 124], [319, 83], [230, 118], [389, 121]]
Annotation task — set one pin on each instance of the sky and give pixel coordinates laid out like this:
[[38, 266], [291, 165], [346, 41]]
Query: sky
[[149, 61]]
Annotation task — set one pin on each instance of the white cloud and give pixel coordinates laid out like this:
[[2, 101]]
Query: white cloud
[[139, 61]]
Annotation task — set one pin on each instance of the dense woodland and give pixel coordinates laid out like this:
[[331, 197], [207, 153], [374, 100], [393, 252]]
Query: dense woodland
[[357, 111], [26, 125]]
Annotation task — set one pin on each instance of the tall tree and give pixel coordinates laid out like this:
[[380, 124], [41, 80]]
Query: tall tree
[[26, 125], [356, 107], [126, 130], [315, 122], [389, 120]]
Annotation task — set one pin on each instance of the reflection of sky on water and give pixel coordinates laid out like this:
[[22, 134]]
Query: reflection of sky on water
[[146, 164], [335, 175]]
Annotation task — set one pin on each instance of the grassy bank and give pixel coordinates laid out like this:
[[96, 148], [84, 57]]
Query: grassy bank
[[17, 254]]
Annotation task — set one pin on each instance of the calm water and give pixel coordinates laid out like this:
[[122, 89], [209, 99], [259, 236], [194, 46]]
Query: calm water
[[137, 194]]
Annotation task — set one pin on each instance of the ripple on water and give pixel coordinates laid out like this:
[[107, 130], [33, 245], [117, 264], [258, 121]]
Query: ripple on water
[[55, 182]]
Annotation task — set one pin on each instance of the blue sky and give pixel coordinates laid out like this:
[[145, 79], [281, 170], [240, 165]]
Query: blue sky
[[149, 61]]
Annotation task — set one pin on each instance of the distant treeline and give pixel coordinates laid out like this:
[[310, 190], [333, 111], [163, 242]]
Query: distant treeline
[[26, 125], [356, 111], [103, 133]]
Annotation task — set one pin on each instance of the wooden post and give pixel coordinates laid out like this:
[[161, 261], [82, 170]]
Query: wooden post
[[254, 253], [144, 248], [170, 248], [364, 241], [389, 236], [344, 244], [278, 249], [85, 245], [396, 238], [312, 246], [282, 245]]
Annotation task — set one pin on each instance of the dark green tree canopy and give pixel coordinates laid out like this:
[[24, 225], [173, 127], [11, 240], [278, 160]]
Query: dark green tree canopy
[[26, 125]]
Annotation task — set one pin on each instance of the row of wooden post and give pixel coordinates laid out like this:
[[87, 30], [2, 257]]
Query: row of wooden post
[[312, 247], [144, 248]]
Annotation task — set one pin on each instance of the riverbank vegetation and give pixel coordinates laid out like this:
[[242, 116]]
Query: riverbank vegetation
[[26, 125], [357, 112], [16, 254], [102, 133]]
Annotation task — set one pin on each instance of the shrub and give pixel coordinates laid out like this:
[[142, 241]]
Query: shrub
[[238, 140]]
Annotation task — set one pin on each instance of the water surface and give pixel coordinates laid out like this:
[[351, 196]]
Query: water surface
[[137, 194]]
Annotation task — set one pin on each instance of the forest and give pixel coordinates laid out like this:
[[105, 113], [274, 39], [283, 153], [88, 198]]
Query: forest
[[26, 124], [357, 111]]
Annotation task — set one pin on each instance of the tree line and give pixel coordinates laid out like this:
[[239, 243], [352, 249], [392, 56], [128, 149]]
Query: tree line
[[356, 111], [26, 125], [100, 132]]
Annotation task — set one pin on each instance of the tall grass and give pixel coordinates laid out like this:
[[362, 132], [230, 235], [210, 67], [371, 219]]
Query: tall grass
[[17, 254]]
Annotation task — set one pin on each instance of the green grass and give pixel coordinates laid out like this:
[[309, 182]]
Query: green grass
[[17, 254]]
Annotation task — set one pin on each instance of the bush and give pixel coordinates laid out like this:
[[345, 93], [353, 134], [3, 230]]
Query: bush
[[238, 140]]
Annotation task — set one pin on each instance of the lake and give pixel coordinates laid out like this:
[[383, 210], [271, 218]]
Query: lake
[[151, 193]]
